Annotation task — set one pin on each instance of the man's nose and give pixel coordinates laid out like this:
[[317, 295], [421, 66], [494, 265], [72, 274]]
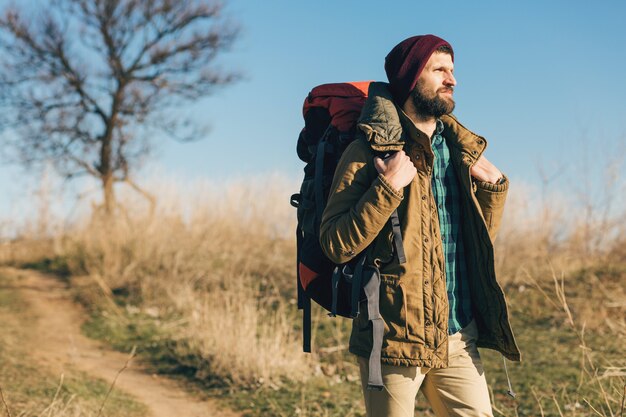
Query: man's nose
[[450, 80]]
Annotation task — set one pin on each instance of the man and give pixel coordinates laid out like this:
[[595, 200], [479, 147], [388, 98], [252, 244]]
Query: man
[[444, 301]]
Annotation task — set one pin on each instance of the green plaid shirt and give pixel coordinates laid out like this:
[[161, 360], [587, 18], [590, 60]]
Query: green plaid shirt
[[447, 193]]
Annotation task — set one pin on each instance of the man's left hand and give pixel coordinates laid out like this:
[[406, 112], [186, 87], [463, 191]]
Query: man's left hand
[[483, 170]]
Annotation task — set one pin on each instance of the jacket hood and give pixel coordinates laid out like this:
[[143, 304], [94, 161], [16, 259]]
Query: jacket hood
[[380, 121]]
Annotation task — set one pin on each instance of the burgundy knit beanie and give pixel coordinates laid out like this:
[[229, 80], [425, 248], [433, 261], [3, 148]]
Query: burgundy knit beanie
[[406, 61]]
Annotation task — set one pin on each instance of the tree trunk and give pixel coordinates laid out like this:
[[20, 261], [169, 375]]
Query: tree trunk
[[109, 195], [106, 172]]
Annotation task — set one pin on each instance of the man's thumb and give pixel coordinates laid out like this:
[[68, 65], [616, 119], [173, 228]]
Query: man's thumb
[[379, 164]]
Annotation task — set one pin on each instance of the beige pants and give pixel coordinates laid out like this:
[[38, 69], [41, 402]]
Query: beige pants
[[458, 390]]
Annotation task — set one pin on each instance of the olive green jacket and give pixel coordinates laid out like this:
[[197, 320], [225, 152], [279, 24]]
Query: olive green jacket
[[413, 300]]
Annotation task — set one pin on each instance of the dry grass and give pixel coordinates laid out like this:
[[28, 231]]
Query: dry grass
[[59, 406], [558, 233], [607, 381], [29, 389], [215, 266], [573, 254]]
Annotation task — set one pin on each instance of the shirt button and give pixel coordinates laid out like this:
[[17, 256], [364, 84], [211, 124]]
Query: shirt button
[[423, 197], [426, 239], [426, 282]]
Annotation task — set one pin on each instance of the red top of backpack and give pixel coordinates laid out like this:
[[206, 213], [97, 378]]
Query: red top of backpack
[[344, 102]]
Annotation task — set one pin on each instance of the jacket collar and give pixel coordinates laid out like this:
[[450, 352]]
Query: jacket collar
[[469, 143], [380, 122]]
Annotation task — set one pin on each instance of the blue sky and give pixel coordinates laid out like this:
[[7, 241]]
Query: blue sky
[[542, 81]]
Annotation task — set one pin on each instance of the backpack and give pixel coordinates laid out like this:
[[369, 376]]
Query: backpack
[[330, 115]]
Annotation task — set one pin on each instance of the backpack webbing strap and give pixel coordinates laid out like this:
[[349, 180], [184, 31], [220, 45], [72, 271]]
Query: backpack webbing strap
[[306, 325], [304, 302], [397, 237], [301, 293], [335, 284], [319, 186], [372, 292], [395, 222], [323, 147], [357, 278]]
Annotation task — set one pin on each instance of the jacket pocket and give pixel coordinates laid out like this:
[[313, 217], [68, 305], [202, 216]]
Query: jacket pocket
[[393, 307]]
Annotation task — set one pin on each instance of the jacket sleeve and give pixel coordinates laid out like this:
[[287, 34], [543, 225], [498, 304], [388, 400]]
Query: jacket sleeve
[[491, 198], [360, 203]]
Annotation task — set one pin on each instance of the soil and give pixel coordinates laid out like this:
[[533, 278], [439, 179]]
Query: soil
[[61, 347]]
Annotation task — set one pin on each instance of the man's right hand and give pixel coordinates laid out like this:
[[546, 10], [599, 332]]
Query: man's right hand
[[398, 169]]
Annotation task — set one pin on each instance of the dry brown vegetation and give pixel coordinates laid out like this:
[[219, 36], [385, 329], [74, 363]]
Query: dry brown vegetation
[[215, 267], [562, 262], [214, 264], [29, 387]]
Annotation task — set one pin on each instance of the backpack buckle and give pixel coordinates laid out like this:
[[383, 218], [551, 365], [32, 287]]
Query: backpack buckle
[[294, 200]]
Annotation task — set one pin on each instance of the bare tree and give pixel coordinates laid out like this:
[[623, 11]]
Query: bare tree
[[88, 83]]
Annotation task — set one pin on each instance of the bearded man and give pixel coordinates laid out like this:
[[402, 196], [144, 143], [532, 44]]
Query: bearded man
[[443, 301]]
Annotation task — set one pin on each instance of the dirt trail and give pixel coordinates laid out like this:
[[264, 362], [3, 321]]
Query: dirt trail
[[61, 347]]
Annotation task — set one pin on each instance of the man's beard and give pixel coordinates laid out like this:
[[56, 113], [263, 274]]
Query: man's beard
[[431, 106]]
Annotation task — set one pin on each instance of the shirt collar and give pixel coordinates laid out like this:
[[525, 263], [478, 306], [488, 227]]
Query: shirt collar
[[436, 139], [406, 122], [439, 127]]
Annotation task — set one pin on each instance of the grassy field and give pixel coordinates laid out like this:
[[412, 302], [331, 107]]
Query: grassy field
[[568, 368], [30, 390], [206, 289]]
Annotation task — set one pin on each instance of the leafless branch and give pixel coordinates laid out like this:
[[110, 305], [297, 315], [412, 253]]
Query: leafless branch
[[81, 85]]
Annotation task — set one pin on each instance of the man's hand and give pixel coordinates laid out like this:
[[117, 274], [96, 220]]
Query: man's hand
[[398, 169], [483, 170]]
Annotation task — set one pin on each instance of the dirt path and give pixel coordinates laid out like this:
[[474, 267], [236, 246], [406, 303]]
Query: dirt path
[[61, 347]]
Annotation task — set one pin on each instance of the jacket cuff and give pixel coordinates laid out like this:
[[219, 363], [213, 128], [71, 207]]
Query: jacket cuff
[[502, 186], [389, 188]]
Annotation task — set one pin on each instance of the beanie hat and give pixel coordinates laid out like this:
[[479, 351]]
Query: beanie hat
[[406, 61]]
